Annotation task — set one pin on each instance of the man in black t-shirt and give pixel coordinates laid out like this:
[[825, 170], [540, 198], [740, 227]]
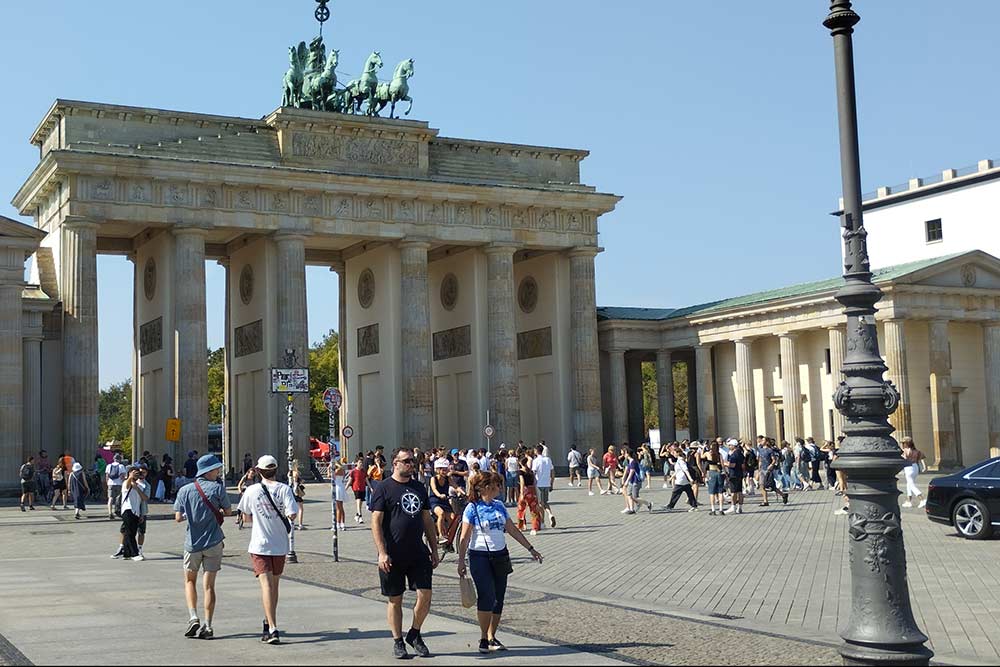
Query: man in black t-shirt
[[736, 463], [401, 520]]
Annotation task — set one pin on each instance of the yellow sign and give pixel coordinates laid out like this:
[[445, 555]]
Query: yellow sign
[[174, 430]]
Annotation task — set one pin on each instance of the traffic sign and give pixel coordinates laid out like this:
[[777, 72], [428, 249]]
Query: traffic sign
[[173, 430], [332, 399], [348, 432], [489, 431]]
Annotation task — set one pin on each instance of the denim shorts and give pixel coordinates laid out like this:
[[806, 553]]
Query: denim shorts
[[716, 485]]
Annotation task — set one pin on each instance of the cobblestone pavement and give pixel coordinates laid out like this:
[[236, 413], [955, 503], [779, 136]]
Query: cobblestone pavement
[[767, 587]]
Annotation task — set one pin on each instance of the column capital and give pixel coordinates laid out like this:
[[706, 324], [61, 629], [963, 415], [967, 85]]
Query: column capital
[[189, 230], [703, 346], [991, 324], [746, 340], [617, 350], [790, 335], [584, 251], [836, 327], [78, 222], [415, 242], [284, 236], [498, 248], [665, 352]]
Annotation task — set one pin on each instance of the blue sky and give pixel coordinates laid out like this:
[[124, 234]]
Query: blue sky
[[714, 119]]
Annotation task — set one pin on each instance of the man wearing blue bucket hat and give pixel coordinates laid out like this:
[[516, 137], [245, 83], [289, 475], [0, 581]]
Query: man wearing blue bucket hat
[[203, 505]]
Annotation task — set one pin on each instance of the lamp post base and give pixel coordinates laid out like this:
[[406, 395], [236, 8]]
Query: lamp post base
[[860, 654]]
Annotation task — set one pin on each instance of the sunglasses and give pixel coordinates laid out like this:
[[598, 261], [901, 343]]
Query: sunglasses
[[406, 461]]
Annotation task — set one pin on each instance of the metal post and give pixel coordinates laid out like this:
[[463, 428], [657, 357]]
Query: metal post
[[881, 629], [292, 558]]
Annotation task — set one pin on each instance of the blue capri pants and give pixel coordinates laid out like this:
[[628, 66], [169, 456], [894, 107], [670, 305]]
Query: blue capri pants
[[491, 587]]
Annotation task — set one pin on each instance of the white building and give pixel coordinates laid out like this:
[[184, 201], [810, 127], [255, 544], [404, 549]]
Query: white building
[[938, 216]]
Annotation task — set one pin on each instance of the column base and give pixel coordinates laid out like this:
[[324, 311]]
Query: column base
[[884, 656]]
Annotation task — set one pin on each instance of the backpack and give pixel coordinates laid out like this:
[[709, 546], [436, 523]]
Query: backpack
[[115, 472], [806, 455], [26, 472], [751, 459]]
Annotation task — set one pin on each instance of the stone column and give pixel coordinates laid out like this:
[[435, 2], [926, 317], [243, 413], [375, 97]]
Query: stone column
[[191, 399], [746, 406], [32, 421], [78, 268], [706, 391], [991, 343], [942, 408], [415, 321], [293, 329], [585, 356], [341, 269], [791, 390], [619, 397], [838, 346], [227, 384], [665, 396], [504, 401], [692, 378], [895, 359], [11, 354]]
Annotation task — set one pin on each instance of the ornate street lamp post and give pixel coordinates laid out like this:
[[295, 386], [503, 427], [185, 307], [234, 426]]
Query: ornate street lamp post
[[881, 629]]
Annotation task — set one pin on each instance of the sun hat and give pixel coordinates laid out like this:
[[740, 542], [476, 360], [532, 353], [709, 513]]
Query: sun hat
[[267, 462], [77, 467], [208, 463], [441, 463]]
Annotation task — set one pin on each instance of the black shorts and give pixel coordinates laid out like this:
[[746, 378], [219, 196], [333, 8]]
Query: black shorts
[[414, 574], [359, 495], [736, 484]]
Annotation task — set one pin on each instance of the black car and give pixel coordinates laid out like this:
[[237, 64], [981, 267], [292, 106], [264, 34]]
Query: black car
[[968, 500]]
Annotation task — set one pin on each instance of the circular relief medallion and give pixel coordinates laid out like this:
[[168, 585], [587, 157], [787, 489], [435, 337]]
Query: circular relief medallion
[[149, 279], [366, 288], [527, 294], [449, 292], [969, 275], [246, 284]]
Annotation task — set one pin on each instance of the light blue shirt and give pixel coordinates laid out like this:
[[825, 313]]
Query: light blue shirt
[[488, 525], [203, 531]]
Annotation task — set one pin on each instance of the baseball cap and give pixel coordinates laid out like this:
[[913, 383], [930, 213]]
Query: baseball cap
[[441, 463], [267, 462], [454, 451], [732, 442]]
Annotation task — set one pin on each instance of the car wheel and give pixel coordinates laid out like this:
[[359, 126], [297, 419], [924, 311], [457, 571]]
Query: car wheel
[[972, 519]]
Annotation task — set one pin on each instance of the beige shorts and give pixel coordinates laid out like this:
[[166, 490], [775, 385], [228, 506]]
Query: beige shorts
[[209, 559]]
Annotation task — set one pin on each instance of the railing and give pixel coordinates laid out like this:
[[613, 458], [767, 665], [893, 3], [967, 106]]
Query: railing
[[922, 182]]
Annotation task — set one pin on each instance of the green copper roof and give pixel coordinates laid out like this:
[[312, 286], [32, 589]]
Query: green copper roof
[[885, 274]]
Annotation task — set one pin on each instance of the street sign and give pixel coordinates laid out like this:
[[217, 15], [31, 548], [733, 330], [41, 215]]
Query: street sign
[[332, 399], [348, 432], [489, 431], [290, 380], [173, 430]]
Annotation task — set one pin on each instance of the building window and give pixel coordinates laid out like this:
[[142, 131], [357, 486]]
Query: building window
[[779, 365], [934, 231], [828, 362]]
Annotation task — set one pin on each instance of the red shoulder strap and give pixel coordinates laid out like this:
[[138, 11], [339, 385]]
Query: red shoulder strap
[[208, 503]]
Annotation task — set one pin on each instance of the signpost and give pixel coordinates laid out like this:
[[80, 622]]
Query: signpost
[[173, 430], [332, 400], [489, 431], [347, 434], [290, 380]]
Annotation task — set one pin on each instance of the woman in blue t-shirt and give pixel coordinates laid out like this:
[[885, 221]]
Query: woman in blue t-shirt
[[484, 525]]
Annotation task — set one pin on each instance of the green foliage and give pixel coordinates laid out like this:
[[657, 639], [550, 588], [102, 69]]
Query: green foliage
[[650, 399], [324, 363], [115, 415], [216, 384]]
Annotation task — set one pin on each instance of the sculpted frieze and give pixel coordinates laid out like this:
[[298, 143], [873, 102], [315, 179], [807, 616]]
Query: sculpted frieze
[[452, 343], [249, 338], [140, 192], [534, 344], [151, 337], [365, 150]]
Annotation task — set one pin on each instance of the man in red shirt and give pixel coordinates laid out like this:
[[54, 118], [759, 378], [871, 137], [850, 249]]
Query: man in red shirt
[[611, 468], [359, 484]]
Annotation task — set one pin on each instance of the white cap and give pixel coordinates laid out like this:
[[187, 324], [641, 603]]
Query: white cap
[[267, 461], [732, 442], [441, 463]]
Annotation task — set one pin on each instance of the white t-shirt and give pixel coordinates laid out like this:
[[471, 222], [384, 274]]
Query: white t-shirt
[[512, 466], [484, 464], [132, 501], [574, 457], [681, 474], [488, 522], [542, 467], [110, 472], [268, 536]]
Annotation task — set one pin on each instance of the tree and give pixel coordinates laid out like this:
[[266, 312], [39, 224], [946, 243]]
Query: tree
[[324, 364], [216, 384], [115, 415]]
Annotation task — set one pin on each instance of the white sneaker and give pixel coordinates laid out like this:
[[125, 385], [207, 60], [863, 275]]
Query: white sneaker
[[665, 486], [571, 485], [139, 557], [731, 510], [907, 504], [840, 512], [626, 511], [590, 493], [604, 492], [922, 503], [533, 532], [693, 509]]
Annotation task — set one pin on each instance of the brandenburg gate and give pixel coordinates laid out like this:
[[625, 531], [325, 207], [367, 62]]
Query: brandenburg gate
[[466, 276]]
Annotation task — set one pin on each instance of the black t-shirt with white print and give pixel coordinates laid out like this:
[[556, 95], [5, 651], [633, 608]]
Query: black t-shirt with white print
[[402, 522]]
